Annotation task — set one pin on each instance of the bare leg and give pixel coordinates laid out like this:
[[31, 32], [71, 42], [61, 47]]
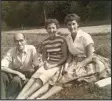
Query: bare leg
[[36, 85], [51, 92], [25, 89], [42, 90]]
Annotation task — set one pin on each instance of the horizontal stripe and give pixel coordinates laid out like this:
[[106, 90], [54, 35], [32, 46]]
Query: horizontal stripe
[[52, 60], [54, 50], [53, 41], [56, 38], [57, 55], [53, 45], [50, 57]]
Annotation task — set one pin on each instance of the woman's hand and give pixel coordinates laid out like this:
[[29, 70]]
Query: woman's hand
[[79, 66]]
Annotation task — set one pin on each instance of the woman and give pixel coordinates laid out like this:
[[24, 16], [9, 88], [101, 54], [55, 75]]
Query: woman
[[85, 65], [82, 64], [54, 55]]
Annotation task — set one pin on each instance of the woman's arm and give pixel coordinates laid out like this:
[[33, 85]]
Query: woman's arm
[[89, 54], [69, 59]]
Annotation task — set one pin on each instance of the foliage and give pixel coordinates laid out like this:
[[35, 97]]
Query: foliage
[[34, 13]]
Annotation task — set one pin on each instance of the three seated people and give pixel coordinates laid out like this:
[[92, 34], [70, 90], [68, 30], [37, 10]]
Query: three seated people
[[63, 59]]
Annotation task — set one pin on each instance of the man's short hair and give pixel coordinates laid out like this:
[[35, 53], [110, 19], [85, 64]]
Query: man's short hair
[[19, 33]]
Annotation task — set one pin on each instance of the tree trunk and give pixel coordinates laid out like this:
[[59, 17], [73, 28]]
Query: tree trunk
[[44, 12]]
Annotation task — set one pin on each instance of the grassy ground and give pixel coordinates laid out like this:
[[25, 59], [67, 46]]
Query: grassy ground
[[81, 91]]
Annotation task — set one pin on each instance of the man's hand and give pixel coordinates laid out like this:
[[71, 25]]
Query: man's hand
[[22, 76]]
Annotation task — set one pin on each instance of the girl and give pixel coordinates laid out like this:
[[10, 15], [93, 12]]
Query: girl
[[54, 56], [82, 63]]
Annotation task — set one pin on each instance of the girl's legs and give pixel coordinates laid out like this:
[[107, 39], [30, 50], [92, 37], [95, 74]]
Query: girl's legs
[[25, 89], [42, 90], [36, 85], [51, 92]]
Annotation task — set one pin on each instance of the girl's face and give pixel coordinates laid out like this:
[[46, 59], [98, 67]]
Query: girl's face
[[52, 29], [72, 26]]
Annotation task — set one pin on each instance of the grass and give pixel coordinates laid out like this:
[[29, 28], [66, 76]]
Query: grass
[[82, 91]]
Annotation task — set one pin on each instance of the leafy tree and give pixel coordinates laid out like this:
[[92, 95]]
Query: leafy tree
[[34, 13]]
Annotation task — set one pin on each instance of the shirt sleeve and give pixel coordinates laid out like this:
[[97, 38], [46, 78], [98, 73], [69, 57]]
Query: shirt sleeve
[[7, 59], [35, 57], [87, 40]]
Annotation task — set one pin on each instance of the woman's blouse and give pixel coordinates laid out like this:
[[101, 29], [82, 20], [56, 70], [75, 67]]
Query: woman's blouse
[[77, 46]]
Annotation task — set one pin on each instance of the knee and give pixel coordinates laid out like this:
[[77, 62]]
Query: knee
[[39, 81], [4, 76], [16, 79]]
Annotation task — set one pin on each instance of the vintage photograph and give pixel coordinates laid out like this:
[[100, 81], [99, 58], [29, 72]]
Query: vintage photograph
[[56, 50]]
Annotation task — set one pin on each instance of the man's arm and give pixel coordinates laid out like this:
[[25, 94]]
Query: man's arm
[[6, 61], [9, 70]]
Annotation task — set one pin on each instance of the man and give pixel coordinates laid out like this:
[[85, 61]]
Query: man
[[18, 64]]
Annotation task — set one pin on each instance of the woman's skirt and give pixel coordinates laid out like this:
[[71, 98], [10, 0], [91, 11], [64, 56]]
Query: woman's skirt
[[98, 69]]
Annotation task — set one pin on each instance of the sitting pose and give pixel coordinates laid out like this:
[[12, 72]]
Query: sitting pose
[[17, 66], [82, 63], [54, 56], [85, 64]]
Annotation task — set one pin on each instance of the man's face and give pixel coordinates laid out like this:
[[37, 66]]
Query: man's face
[[20, 41]]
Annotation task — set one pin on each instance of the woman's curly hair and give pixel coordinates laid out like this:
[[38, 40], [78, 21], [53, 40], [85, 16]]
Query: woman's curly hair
[[49, 21]]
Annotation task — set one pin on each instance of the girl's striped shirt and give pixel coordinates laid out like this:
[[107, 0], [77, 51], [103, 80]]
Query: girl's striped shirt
[[54, 48]]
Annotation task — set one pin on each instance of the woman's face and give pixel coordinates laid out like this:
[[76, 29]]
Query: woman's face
[[72, 26], [52, 29]]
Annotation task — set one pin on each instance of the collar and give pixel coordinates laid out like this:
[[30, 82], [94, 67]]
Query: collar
[[24, 50], [79, 33]]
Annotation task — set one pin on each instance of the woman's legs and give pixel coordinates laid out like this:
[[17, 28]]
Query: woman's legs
[[51, 92], [36, 85], [42, 90], [25, 89]]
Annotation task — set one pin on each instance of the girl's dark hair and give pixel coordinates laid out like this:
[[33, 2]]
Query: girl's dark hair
[[49, 21], [71, 17]]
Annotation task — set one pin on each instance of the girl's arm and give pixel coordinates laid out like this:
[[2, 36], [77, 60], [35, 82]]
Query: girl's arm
[[64, 52], [44, 54]]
